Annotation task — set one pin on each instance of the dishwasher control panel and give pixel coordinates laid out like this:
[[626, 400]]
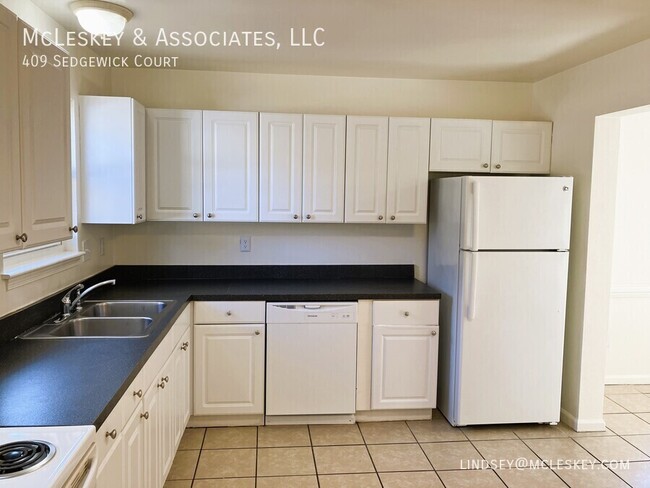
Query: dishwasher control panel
[[311, 312]]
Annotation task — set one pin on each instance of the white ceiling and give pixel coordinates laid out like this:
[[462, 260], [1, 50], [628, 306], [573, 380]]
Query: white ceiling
[[502, 40]]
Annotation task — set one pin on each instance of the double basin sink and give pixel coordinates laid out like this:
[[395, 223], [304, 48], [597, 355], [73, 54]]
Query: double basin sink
[[109, 319]]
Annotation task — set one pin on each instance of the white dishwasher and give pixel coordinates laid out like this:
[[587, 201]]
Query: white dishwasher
[[311, 362]]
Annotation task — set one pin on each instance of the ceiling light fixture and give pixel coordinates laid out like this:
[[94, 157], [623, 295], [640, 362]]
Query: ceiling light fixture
[[101, 18]]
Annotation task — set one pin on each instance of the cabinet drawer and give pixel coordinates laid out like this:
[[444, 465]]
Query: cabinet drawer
[[229, 312], [132, 397], [405, 312], [157, 359]]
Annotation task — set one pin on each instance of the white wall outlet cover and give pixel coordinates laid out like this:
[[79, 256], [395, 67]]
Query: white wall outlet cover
[[86, 247], [245, 244]]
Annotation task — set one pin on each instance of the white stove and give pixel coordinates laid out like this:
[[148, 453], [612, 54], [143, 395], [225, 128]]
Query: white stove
[[47, 457]]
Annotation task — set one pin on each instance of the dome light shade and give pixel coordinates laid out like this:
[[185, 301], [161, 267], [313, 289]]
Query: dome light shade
[[101, 18]]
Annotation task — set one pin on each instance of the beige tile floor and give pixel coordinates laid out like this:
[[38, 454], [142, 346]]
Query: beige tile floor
[[423, 454]]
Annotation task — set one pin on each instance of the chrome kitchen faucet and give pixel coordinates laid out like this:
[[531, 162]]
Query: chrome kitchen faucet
[[69, 304]]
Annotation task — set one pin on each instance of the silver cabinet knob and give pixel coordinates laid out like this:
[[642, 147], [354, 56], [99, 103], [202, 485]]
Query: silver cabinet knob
[[485, 165], [433, 332], [295, 216], [381, 217], [165, 379], [22, 237], [392, 217], [161, 385], [196, 215], [138, 393], [185, 346], [210, 215], [74, 229], [139, 216], [228, 313], [144, 415], [565, 188], [308, 217], [112, 434], [407, 313], [498, 166], [257, 332]]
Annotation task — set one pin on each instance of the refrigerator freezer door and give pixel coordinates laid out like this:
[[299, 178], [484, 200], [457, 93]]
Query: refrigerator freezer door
[[508, 213], [510, 339]]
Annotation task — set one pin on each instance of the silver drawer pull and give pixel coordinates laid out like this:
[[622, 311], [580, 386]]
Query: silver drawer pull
[[161, 385], [433, 332], [185, 346], [257, 332], [112, 434], [138, 393], [165, 379], [144, 415], [407, 313], [228, 313]]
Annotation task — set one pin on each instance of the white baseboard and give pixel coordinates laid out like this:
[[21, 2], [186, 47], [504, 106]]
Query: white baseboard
[[629, 379], [581, 425], [388, 415], [225, 420]]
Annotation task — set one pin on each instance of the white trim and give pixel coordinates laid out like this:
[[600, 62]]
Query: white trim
[[627, 379], [582, 425], [24, 273]]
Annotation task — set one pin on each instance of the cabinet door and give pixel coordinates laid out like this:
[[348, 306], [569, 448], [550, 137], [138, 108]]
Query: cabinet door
[[152, 437], [280, 167], [10, 224], [460, 145], [133, 451], [182, 386], [174, 165], [521, 147], [45, 146], [229, 369], [167, 416], [404, 366], [111, 160], [366, 161], [408, 170], [110, 473], [230, 165], [323, 168]]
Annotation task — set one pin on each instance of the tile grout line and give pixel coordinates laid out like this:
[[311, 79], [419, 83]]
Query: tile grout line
[[313, 455], [425, 454]]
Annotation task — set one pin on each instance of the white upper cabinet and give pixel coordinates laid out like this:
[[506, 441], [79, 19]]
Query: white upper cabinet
[[174, 165], [366, 166], [323, 168], [408, 173], [10, 225], [112, 160], [280, 167], [486, 146], [230, 166], [521, 147], [45, 146], [460, 145]]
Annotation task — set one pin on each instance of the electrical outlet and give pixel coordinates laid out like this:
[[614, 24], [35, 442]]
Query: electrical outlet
[[245, 244], [86, 248]]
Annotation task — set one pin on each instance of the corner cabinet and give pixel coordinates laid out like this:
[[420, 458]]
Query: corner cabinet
[[174, 165], [486, 146], [112, 160], [404, 354], [280, 167], [229, 358], [35, 173]]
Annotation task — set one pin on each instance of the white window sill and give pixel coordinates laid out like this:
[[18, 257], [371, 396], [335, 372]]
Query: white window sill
[[21, 274]]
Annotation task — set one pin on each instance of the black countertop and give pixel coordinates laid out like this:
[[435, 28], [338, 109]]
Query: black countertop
[[79, 381]]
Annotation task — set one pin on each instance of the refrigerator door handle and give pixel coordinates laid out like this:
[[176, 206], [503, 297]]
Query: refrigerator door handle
[[471, 309], [475, 211]]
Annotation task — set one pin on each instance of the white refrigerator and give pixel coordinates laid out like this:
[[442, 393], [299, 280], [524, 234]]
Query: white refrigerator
[[499, 254]]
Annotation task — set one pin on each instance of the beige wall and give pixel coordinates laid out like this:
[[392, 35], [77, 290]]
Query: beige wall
[[572, 99], [197, 243], [95, 81]]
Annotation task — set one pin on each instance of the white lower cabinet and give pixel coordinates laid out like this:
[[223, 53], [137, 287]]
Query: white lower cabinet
[[404, 354], [229, 369], [229, 358], [137, 442]]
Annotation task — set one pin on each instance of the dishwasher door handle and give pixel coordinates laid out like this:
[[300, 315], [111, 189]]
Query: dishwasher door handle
[[312, 307]]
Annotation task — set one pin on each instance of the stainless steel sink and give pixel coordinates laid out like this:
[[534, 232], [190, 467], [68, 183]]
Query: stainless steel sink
[[103, 327], [123, 308], [123, 318]]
